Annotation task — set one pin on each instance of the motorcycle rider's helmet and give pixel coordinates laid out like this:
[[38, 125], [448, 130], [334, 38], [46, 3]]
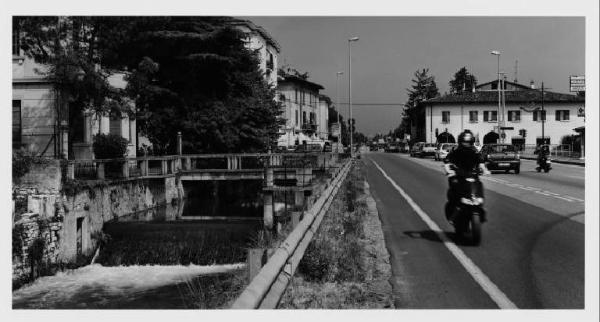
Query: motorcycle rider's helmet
[[466, 139]]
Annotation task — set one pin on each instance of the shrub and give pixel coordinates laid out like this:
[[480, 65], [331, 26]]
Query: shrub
[[22, 160], [109, 146]]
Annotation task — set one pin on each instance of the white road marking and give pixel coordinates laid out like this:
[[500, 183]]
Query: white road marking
[[576, 199], [486, 284], [567, 199]]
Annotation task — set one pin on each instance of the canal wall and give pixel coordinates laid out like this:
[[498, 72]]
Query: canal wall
[[58, 223]]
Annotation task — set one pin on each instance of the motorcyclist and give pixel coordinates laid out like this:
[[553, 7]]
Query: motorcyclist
[[466, 159], [542, 151]]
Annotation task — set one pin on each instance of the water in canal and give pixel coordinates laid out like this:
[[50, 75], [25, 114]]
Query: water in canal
[[157, 260]]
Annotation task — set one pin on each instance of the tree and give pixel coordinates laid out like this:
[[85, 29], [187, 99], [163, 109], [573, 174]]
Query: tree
[[195, 75], [423, 88], [188, 74], [462, 81]]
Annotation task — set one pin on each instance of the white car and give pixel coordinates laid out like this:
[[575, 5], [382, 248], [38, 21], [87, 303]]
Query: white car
[[442, 150]]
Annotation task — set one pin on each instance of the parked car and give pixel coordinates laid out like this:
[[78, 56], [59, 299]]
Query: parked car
[[442, 150], [416, 149], [501, 157], [428, 149]]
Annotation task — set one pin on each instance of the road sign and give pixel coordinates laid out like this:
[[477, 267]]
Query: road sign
[[507, 128], [581, 112], [577, 83], [503, 135]]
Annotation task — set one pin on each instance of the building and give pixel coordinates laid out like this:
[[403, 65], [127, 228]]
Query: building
[[268, 49], [302, 105], [323, 117], [42, 121], [449, 115]]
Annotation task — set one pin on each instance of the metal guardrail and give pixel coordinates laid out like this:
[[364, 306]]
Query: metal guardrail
[[267, 288]]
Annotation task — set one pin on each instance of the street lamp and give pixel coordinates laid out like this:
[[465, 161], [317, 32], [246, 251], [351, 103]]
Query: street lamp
[[497, 53], [337, 105], [350, 40]]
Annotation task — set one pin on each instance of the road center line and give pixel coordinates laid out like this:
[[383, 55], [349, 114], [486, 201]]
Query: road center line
[[486, 284]]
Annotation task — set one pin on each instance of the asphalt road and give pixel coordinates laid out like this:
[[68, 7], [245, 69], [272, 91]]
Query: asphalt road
[[532, 254]]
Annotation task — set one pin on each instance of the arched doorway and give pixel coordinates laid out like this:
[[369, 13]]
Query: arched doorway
[[491, 137], [445, 137]]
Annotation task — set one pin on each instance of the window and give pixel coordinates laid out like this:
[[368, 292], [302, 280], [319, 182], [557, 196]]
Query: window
[[445, 116], [296, 97], [539, 115], [562, 115], [296, 117], [16, 124], [473, 117], [490, 116], [514, 116], [115, 125], [303, 117]]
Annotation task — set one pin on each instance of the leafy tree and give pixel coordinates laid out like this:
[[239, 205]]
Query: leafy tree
[[195, 75], [423, 88], [462, 81], [188, 74]]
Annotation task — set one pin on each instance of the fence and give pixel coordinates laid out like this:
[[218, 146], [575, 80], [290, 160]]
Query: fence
[[556, 150], [166, 165]]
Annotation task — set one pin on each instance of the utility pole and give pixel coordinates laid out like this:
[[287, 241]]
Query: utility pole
[[543, 114]]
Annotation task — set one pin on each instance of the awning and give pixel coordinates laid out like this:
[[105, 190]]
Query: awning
[[580, 129]]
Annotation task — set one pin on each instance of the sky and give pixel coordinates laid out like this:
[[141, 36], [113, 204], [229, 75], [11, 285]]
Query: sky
[[391, 49]]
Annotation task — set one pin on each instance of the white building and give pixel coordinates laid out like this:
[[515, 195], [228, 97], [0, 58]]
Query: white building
[[323, 117], [268, 49], [302, 106], [43, 123], [448, 115]]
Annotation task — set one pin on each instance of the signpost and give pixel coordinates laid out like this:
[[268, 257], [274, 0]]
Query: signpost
[[577, 83], [581, 112], [507, 128]]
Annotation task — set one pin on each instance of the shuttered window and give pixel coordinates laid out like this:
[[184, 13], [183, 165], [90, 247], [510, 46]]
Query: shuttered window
[[16, 124]]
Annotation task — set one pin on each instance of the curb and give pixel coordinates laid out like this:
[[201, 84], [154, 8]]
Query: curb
[[582, 164]]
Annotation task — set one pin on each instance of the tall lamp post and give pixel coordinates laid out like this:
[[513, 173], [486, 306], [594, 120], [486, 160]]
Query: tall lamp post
[[497, 53], [337, 105], [350, 40]]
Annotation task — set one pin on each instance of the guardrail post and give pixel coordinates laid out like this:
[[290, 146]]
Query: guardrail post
[[100, 170], [255, 261], [125, 169], [70, 171]]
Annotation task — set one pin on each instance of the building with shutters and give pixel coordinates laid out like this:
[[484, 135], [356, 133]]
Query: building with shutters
[[448, 115], [43, 124]]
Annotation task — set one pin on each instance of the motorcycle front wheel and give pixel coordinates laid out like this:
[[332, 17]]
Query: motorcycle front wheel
[[475, 230]]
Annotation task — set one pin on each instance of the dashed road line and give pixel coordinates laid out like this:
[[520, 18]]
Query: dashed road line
[[486, 284]]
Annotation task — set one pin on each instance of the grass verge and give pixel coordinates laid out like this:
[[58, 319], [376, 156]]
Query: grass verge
[[346, 266]]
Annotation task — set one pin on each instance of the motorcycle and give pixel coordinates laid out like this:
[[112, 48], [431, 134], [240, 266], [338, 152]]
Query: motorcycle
[[544, 164], [468, 214]]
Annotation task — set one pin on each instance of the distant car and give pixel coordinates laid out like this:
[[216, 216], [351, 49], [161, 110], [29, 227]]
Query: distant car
[[442, 150], [416, 149], [501, 157], [428, 149], [392, 148]]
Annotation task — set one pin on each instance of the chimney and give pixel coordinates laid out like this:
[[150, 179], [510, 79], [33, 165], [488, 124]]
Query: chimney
[[532, 84]]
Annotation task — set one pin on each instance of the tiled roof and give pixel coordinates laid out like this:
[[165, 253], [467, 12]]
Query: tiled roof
[[301, 81], [521, 96]]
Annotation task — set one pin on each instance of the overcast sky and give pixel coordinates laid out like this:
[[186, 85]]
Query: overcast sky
[[391, 49]]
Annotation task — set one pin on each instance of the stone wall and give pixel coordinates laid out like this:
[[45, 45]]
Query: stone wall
[[60, 219]]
